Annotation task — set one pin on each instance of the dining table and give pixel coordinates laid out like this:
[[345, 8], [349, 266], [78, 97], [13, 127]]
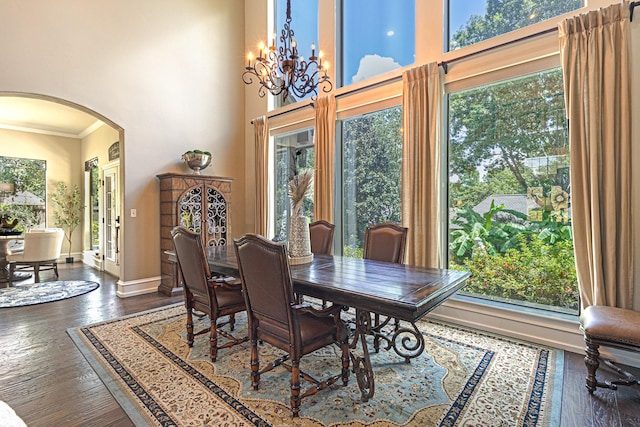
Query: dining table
[[370, 288]]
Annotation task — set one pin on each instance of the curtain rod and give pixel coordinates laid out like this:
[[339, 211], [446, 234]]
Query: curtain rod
[[445, 64], [298, 107]]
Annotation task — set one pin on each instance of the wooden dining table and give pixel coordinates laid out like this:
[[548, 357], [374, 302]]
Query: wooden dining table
[[396, 291]]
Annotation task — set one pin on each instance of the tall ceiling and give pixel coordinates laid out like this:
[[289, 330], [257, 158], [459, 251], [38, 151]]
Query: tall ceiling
[[45, 117]]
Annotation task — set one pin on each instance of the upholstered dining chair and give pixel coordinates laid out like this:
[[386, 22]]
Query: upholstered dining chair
[[206, 293], [384, 242], [276, 319], [321, 235], [40, 252]]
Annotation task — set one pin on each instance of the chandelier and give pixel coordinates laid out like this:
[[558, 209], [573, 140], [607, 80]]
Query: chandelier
[[281, 70]]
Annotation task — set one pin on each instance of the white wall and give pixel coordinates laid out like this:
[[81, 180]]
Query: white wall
[[167, 72]]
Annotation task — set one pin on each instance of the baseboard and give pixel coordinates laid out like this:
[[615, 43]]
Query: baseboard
[[561, 332], [132, 288], [77, 256]]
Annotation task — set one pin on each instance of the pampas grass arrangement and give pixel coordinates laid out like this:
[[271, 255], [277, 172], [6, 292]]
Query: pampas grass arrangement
[[300, 187]]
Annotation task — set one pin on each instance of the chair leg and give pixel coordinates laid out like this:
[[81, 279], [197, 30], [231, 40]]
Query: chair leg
[[189, 327], [232, 321], [55, 269], [213, 340], [591, 360], [345, 361], [255, 364], [12, 269], [295, 387], [36, 272]]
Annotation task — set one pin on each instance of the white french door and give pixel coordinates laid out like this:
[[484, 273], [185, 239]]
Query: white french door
[[111, 230]]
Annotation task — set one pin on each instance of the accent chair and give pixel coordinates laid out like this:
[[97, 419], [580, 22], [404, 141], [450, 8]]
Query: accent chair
[[41, 250]]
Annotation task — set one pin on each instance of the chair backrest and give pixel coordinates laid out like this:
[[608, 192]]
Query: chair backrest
[[321, 235], [193, 262], [266, 282], [43, 245], [385, 242]]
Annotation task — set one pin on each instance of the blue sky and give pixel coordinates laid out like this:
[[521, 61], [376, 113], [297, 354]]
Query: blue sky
[[380, 34]]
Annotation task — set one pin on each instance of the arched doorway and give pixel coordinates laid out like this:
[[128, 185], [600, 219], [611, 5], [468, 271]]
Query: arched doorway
[[73, 140]]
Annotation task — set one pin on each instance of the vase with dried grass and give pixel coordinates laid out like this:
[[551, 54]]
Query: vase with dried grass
[[300, 187]]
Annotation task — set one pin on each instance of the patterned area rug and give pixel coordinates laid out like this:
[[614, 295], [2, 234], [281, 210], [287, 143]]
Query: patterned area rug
[[39, 293], [464, 377]]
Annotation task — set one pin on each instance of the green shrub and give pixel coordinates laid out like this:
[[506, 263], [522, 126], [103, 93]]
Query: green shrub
[[537, 273]]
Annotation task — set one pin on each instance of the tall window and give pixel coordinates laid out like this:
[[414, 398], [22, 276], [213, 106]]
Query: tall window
[[510, 212], [477, 20], [294, 152], [371, 171], [377, 36]]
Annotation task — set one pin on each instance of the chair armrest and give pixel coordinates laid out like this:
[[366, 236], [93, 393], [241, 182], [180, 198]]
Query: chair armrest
[[325, 312], [225, 282]]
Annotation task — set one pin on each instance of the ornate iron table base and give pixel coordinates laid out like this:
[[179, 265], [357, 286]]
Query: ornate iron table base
[[407, 343]]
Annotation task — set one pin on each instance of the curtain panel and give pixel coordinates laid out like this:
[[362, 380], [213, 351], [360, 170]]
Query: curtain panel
[[261, 138], [422, 165], [595, 54], [325, 141]]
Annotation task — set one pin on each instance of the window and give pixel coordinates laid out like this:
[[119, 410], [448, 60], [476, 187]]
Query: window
[[377, 36], [23, 191], [509, 193], [294, 152], [474, 21], [371, 171]]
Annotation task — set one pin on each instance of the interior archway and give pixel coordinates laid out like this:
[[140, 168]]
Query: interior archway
[[85, 137]]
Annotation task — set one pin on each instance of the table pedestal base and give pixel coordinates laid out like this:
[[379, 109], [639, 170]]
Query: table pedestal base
[[406, 342]]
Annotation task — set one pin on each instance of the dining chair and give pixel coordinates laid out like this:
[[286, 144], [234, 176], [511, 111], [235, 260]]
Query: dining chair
[[203, 292], [384, 242], [321, 235], [40, 252], [276, 319]]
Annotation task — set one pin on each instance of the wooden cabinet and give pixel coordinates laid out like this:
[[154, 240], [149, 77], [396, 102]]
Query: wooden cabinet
[[198, 202]]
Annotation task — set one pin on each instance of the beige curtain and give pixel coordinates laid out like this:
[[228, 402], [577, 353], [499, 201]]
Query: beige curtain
[[595, 60], [325, 137], [261, 136], [421, 165]]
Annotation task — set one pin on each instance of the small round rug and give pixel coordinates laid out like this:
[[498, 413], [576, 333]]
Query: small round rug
[[39, 293]]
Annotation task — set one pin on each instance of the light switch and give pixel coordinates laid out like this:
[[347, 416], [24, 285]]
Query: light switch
[[134, 213]]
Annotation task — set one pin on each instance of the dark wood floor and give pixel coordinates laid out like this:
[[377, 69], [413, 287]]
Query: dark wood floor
[[49, 383]]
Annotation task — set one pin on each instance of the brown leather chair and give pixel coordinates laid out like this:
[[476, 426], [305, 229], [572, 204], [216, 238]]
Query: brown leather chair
[[276, 319], [384, 242], [321, 235], [206, 293]]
